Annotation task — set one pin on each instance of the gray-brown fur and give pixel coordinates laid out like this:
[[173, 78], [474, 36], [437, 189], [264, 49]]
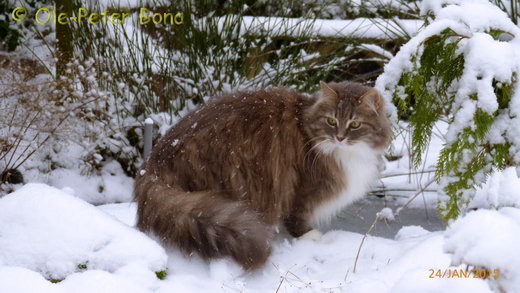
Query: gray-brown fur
[[226, 173]]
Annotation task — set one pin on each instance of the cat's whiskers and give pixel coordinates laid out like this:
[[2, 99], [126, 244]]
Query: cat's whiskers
[[312, 140], [319, 151], [323, 137], [310, 151]]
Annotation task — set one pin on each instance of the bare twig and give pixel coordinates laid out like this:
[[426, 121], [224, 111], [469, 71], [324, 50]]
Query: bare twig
[[430, 182], [361, 245]]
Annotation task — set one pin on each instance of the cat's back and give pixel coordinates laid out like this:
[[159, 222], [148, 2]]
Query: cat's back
[[257, 130], [239, 118], [247, 108]]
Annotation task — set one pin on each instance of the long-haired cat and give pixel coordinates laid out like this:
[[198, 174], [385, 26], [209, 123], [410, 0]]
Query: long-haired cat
[[225, 174]]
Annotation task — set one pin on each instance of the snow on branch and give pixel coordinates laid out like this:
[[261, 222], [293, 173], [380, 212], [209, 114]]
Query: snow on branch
[[461, 67]]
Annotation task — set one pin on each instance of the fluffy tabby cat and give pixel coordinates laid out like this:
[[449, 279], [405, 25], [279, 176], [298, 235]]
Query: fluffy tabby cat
[[225, 174]]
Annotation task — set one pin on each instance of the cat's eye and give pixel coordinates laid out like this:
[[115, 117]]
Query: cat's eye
[[332, 121], [355, 124]]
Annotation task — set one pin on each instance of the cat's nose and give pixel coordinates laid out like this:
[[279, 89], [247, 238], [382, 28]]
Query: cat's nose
[[340, 138]]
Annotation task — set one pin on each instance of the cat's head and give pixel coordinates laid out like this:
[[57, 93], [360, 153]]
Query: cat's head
[[345, 114]]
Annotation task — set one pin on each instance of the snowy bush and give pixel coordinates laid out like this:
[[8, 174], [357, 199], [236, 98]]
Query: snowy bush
[[163, 70], [462, 67], [67, 123], [31, 118], [121, 74], [12, 34], [102, 128], [165, 67]]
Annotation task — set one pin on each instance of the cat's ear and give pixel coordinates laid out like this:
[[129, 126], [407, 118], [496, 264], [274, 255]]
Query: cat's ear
[[373, 99], [327, 92]]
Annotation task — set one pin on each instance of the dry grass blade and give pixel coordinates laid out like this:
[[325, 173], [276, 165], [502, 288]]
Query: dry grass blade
[[361, 245]]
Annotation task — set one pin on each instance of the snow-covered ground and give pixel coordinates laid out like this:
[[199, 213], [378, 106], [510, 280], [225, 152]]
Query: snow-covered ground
[[47, 235]]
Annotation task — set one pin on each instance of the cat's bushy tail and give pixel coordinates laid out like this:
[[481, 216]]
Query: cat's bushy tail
[[202, 222]]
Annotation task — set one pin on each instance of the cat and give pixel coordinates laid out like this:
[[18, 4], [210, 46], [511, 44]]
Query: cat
[[227, 173]]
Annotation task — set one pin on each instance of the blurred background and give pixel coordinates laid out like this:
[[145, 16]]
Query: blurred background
[[108, 78]]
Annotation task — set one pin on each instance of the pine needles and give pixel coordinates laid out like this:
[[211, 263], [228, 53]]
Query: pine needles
[[442, 83]]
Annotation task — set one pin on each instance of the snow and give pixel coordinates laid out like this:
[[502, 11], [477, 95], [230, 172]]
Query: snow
[[21, 280], [502, 189], [479, 15], [386, 214], [409, 232], [414, 282], [124, 212], [370, 28], [326, 265], [378, 50], [51, 232], [488, 239], [46, 233], [109, 187]]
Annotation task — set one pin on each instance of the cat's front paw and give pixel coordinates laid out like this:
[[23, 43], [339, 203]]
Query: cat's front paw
[[313, 234]]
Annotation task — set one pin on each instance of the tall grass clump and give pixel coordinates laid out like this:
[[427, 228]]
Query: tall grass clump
[[146, 70], [163, 70]]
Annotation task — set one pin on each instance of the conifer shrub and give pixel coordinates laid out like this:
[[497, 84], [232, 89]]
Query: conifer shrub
[[460, 68]]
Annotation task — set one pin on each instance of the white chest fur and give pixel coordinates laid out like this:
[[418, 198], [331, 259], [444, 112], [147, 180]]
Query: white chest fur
[[359, 164]]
